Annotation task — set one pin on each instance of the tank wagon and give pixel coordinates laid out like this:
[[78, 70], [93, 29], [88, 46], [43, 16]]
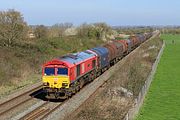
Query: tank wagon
[[64, 76]]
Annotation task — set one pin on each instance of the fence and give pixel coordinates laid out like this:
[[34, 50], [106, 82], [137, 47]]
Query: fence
[[139, 100]]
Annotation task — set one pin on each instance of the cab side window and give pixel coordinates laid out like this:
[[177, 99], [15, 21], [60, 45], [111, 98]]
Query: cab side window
[[78, 70], [93, 63]]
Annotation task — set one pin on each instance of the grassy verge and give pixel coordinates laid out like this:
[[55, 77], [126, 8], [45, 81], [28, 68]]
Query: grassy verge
[[162, 100], [110, 102]]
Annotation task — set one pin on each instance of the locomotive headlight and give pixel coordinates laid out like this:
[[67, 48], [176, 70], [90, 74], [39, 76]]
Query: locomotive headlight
[[64, 84], [45, 83]]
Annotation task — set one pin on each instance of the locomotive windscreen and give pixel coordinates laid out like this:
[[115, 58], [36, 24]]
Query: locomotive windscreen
[[49, 71], [62, 71]]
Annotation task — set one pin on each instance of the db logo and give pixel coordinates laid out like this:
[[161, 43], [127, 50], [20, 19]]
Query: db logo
[[55, 79]]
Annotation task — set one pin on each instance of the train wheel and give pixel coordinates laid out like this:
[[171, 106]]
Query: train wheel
[[74, 90], [69, 94], [93, 76], [77, 87]]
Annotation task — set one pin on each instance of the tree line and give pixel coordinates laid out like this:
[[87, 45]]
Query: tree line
[[14, 29], [95, 30]]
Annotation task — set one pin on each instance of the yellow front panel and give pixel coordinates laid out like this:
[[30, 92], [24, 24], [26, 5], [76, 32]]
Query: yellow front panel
[[56, 81]]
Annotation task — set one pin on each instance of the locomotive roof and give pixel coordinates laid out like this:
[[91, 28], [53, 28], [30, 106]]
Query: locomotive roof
[[71, 59], [77, 57]]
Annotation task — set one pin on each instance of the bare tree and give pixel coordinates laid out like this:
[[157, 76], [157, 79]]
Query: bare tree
[[68, 25], [41, 31], [96, 30], [12, 27], [102, 30], [83, 30], [57, 30]]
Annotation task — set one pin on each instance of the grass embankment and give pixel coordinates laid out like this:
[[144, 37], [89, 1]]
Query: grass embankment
[[162, 100], [110, 102], [21, 65]]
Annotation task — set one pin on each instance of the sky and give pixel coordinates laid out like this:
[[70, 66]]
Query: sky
[[113, 12]]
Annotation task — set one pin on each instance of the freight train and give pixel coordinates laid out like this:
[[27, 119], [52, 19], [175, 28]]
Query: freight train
[[64, 76]]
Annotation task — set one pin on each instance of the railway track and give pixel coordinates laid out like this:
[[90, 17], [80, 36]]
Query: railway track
[[8, 106], [42, 111], [36, 113], [47, 108], [51, 111]]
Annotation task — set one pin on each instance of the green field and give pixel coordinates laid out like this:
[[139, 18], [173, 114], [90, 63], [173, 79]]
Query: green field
[[163, 99]]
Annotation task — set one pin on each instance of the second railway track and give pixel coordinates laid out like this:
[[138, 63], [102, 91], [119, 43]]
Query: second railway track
[[11, 104]]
